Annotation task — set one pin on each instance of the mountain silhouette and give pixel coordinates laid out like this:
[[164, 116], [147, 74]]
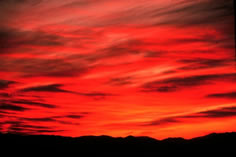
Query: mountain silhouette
[[106, 145]]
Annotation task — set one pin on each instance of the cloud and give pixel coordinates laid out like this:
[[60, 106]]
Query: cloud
[[46, 88], [229, 95], [5, 84], [185, 13], [24, 128], [5, 95], [116, 49], [125, 13], [119, 81], [164, 121], [174, 84], [19, 2], [225, 40], [64, 66], [201, 63], [55, 88], [54, 119], [218, 113], [5, 106], [208, 38], [82, 3], [10, 9], [196, 12], [170, 88], [32, 103], [44, 119], [214, 113], [12, 40], [32, 125], [74, 116], [32, 67], [95, 94]]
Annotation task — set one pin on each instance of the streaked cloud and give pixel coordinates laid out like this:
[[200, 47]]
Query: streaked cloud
[[5, 106], [178, 83], [214, 113], [6, 83], [226, 95]]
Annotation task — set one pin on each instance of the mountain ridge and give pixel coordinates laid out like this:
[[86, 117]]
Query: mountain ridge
[[119, 137], [215, 142]]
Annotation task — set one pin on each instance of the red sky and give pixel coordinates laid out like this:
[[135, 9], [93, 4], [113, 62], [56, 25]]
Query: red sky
[[159, 68]]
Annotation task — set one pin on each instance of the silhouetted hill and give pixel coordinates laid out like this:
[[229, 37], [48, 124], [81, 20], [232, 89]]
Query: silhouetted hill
[[11, 143]]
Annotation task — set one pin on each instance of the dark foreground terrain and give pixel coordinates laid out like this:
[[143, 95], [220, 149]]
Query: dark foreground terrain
[[105, 145]]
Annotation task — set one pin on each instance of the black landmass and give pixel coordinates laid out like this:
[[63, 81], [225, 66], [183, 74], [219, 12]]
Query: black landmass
[[106, 145]]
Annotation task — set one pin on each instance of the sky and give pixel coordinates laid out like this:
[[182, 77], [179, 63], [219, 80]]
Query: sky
[[157, 68]]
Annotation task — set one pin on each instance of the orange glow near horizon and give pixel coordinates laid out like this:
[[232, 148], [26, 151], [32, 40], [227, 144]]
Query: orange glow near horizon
[[161, 68]]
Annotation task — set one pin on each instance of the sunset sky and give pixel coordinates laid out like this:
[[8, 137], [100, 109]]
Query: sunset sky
[[157, 68]]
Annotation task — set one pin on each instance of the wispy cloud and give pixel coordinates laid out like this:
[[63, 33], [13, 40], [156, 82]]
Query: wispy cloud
[[5, 95], [218, 113], [46, 88], [203, 63], [14, 40], [5, 84], [56, 88], [119, 81], [178, 83], [5, 106], [194, 13], [41, 67], [25, 128], [227, 95], [32, 103], [212, 113], [74, 116]]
